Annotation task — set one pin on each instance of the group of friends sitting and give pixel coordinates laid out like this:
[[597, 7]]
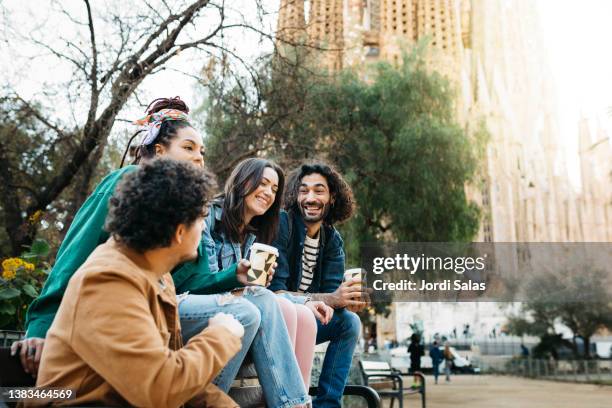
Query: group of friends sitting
[[149, 302]]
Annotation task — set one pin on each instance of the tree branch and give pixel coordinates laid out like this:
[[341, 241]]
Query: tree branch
[[188, 13], [168, 43], [79, 65], [30, 109], [115, 66], [93, 76]]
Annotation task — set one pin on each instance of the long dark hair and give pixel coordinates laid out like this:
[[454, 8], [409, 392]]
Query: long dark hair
[[167, 131], [245, 179], [343, 205]]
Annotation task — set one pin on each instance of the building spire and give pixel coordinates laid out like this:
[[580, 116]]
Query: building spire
[[291, 26]]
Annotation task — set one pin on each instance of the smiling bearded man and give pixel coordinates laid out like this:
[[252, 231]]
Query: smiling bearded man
[[311, 263]]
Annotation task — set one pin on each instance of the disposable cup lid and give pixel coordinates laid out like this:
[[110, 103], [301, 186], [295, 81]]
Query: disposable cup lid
[[263, 247], [353, 271]]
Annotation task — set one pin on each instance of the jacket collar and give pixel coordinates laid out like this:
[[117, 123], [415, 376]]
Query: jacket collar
[[300, 225], [164, 286], [218, 211]]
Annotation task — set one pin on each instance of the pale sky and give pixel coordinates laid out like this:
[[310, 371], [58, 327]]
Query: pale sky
[[577, 37], [578, 40]]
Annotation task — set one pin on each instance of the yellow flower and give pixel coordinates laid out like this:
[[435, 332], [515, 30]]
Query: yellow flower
[[8, 274], [35, 217], [29, 266], [12, 264], [9, 264]]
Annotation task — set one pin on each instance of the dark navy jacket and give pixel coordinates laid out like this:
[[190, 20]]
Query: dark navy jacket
[[290, 243]]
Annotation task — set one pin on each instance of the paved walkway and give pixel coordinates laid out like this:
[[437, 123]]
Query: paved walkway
[[487, 391]]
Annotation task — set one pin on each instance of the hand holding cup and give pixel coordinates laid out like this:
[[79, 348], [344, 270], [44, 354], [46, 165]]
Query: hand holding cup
[[263, 264], [242, 271], [356, 297]]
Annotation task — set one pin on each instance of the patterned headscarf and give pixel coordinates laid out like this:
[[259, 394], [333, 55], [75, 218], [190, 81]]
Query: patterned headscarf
[[152, 123]]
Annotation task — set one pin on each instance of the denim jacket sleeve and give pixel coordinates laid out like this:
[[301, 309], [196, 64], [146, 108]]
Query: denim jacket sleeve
[[333, 263], [209, 242], [282, 275]]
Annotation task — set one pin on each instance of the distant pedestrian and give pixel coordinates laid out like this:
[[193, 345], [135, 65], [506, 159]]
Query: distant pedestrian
[[416, 352], [436, 359], [372, 345], [524, 351], [448, 360]]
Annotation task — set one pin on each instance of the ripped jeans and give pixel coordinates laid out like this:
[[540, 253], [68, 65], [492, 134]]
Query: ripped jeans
[[265, 333]]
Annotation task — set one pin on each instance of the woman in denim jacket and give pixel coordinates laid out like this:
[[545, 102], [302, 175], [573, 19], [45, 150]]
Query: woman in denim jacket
[[247, 212]]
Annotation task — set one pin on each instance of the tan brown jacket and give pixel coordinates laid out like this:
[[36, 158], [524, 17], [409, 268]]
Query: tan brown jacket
[[116, 339]]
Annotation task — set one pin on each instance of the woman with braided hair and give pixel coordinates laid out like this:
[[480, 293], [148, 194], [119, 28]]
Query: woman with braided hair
[[165, 121], [166, 132]]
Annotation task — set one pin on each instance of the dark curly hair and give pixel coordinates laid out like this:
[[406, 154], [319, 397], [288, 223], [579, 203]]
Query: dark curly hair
[[151, 202], [245, 179], [167, 131], [343, 205]]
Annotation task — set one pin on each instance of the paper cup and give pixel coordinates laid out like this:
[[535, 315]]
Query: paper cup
[[354, 273], [262, 258]]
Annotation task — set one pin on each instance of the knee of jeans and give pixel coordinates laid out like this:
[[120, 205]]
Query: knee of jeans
[[269, 296], [260, 292], [352, 324], [249, 315]]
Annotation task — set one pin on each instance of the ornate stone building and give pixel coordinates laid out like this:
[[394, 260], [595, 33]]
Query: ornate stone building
[[491, 51]]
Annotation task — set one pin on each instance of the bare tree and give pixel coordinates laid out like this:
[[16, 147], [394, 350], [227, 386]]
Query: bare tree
[[113, 50]]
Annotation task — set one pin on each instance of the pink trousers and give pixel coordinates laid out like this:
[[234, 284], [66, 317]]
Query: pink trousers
[[302, 327]]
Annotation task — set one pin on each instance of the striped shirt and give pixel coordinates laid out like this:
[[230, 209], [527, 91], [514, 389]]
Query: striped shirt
[[309, 262]]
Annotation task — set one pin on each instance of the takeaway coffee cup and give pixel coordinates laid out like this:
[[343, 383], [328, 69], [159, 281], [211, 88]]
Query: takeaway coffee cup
[[262, 258], [354, 273]]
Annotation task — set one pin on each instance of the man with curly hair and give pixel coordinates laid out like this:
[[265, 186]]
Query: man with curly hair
[[311, 263], [116, 337]]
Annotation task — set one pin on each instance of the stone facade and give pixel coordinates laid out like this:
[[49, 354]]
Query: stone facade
[[492, 52]]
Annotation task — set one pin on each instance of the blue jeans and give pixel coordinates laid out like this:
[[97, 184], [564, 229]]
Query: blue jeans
[[265, 333], [342, 333], [436, 369]]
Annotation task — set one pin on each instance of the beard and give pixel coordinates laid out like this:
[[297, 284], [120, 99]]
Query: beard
[[323, 211]]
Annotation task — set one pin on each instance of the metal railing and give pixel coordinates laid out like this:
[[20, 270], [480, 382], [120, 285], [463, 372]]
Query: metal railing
[[587, 371]]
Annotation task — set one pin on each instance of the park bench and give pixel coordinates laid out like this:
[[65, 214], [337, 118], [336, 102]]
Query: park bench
[[248, 393], [246, 390], [388, 382]]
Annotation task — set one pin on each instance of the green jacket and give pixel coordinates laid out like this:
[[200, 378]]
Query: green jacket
[[87, 232]]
